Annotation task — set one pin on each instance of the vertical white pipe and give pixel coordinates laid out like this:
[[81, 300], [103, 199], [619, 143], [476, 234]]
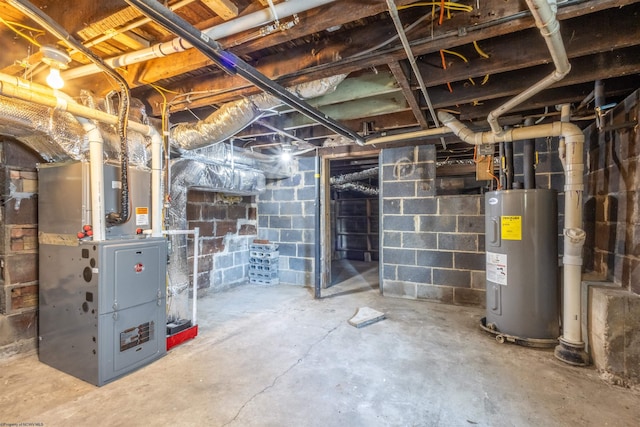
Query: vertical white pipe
[[156, 182], [96, 178], [574, 238], [196, 254]]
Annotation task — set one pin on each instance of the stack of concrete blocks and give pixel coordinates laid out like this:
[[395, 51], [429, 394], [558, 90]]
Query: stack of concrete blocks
[[18, 248], [263, 264]]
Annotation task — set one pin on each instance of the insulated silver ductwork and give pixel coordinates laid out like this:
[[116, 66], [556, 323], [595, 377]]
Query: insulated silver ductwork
[[55, 135], [58, 136], [200, 173], [357, 187], [226, 155], [234, 116], [204, 174], [355, 176]]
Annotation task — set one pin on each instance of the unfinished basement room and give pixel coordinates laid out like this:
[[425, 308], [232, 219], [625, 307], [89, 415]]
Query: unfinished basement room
[[320, 213]]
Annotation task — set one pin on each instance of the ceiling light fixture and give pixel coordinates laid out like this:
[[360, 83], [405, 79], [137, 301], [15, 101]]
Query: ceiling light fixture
[[286, 153], [57, 60]]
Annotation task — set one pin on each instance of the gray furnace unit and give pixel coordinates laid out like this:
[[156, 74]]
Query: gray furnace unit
[[102, 304], [522, 265]]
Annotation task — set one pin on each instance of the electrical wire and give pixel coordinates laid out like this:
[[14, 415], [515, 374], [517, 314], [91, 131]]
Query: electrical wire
[[480, 51], [12, 26], [459, 55], [444, 4], [444, 67]]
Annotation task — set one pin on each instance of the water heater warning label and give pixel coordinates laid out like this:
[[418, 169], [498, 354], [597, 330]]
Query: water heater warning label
[[497, 268], [511, 227], [142, 216]]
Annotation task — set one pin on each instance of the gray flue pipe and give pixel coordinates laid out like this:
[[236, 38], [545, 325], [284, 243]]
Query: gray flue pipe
[[549, 27]]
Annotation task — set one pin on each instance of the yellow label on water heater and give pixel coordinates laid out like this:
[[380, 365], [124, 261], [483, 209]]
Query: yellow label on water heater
[[511, 227]]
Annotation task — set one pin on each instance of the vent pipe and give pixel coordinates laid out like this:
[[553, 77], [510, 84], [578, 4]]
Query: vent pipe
[[544, 14]]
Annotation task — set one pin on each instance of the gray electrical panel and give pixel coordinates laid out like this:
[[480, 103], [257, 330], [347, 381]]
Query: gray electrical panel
[[102, 305], [522, 263]]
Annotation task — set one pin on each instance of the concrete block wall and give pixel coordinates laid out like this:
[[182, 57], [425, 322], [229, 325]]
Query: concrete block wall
[[432, 246], [612, 201], [612, 249], [18, 248], [228, 225], [286, 216]]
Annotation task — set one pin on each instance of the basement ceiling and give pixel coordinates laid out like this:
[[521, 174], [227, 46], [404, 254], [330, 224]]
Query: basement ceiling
[[472, 56]]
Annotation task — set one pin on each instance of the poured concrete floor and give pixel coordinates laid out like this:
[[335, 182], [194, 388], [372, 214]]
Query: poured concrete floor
[[274, 356]]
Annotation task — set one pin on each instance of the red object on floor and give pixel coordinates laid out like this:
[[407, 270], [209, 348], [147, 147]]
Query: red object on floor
[[181, 337]]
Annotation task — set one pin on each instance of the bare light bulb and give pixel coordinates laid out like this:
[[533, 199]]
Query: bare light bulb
[[54, 79], [285, 155]]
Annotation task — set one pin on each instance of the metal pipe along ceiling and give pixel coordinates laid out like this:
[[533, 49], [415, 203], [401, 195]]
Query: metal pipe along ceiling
[[234, 65], [226, 29]]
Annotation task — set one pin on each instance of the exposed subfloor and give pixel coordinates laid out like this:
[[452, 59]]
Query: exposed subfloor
[[274, 356]]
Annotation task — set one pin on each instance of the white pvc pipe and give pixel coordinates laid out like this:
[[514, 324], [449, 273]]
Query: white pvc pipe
[[549, 27], [156, 183], [226, 29], [572, 274], [425, 133], [96, 178]]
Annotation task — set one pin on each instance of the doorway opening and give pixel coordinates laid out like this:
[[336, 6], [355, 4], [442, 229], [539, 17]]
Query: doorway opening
[[352, 242]]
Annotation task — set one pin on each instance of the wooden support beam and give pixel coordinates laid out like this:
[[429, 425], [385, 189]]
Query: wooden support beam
[[225, 9], [298, 65], [400, 74]]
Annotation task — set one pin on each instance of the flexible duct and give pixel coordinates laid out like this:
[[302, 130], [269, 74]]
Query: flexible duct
[[200, 172], [358, 187], [545, 16], [355, 176], [54, 134], [234, 116], [226, 29]]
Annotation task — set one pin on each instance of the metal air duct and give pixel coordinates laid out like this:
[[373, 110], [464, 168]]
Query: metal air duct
[[234, 65]]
